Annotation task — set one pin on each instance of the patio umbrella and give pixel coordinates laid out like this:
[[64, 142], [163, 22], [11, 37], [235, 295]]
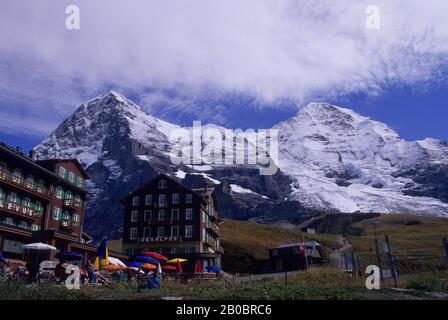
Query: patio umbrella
[[168, 268], [39, 246], [116, 262], [69, 256], [112, 267], [147, 259], [135, 264], [213, 268], [149, 266], [177, 260], [155, 255], [198, 267]]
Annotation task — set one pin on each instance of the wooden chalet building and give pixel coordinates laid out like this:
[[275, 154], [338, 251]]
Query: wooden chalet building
[[42, 201], [290, 257], [167, 217]]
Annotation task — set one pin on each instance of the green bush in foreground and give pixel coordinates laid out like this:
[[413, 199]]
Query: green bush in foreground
[[22, 291]]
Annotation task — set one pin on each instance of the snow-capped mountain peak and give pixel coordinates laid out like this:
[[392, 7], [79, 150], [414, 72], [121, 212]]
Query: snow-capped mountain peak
[[330, 159]]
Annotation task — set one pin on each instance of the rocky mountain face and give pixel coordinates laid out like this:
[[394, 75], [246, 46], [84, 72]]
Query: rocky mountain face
[[330, 159]]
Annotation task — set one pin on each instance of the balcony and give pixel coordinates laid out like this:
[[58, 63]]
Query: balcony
[[19, 211], [213, 228], [71, 204], [24, 185], [69, 225]]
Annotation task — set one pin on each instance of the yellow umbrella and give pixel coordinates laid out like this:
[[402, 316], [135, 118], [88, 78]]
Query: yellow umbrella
[[149, 266], [176, 260]]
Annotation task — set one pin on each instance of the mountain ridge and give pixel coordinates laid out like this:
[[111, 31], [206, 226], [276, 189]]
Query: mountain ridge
[[330, 159]]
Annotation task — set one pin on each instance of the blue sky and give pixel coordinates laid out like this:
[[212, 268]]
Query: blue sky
[[239, 64]]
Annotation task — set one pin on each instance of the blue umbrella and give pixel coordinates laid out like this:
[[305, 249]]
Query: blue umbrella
[[135, 264], [147, 259], [69, 256], [213, 268]]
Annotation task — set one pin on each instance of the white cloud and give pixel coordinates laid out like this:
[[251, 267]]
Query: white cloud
[[267, 48]]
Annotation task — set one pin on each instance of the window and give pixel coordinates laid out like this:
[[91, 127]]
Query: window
[[35, 227], [135, 201], [148, 215], [161, 231], [62, 172], [189, 198], [148, 199], [147, 232], [71, 177], [12, 246], [26, 202], [17, 175], [188, 231], [56, 213], [162, 184], [59, 193], [162, 199], [175, 231], [76, 218], [78, 200], [68, 195], [190, 250], [30, 181], [12, 197], [2, 194], [161, 216], [175, 198], [175, 214], [39, 207], [134, 216], [133, 233], [80, 182], [188, 214], [65, 215], [23, 225]]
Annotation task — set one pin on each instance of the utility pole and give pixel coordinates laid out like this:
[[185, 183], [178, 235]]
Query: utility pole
[[377, 248], [391, 260]]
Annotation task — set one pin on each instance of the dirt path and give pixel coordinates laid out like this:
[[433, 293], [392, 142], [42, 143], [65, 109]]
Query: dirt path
[[335, 256]]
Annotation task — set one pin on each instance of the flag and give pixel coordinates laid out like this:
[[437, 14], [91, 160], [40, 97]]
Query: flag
[[102, 255], [302, 247]]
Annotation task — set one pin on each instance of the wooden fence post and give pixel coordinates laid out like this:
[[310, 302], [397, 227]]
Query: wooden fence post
[[378, 258], [353, 264], [445, 247], [391, 260]]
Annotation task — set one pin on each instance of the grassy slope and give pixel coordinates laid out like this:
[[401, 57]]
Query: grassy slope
[[423, 237], [244, 242]]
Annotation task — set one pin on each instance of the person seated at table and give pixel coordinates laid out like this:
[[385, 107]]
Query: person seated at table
[[60, 271]]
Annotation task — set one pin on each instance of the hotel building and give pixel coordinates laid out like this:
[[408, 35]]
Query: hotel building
[[176, 221], [41, 201]]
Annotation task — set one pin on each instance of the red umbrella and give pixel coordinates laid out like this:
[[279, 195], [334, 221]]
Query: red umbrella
[[155, 255], [198, 266], [169, 268]]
